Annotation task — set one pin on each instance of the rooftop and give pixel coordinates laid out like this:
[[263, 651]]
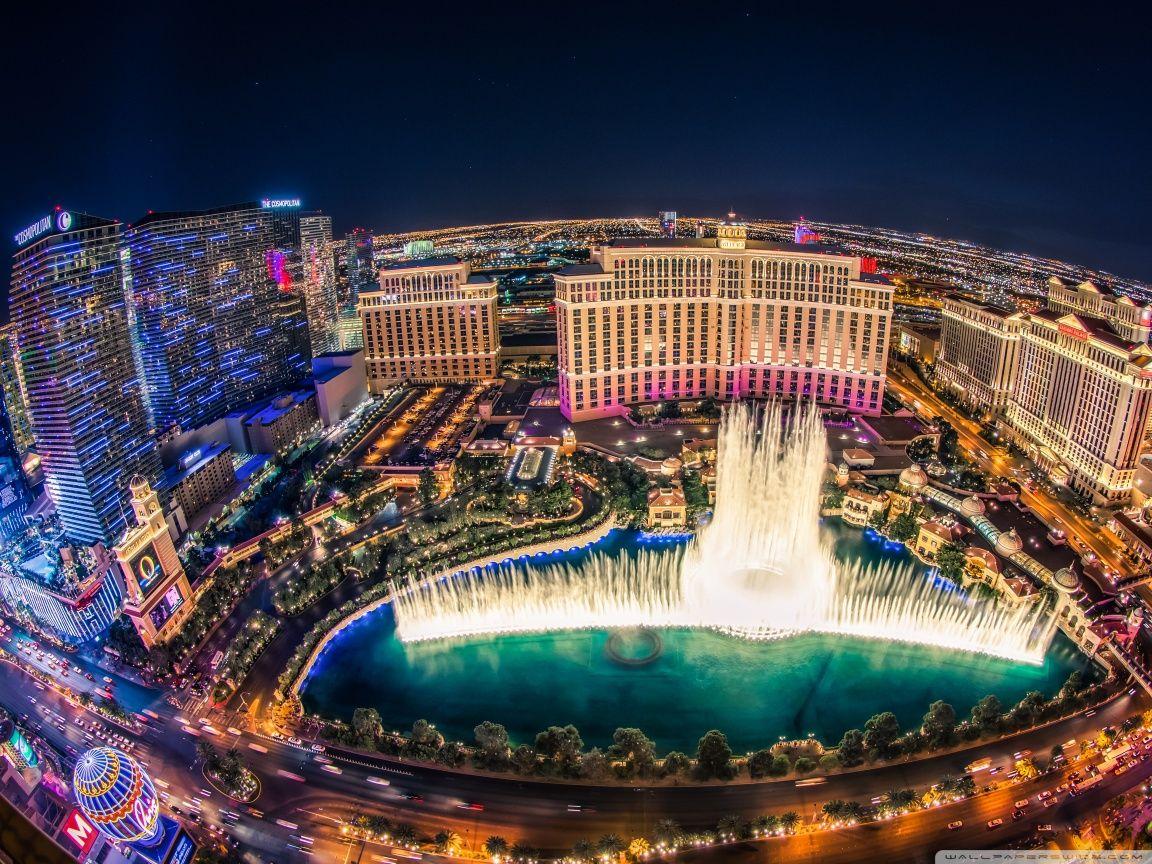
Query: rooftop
[[177, 473], [713, 243], [418, 263]]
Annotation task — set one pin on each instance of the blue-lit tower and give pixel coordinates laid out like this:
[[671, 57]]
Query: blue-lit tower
[[85, 399], [218, 307]]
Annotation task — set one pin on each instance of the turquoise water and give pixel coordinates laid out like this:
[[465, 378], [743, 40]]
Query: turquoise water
[[753, 691]]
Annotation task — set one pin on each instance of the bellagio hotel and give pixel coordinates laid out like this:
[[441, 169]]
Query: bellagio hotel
[[727, 317], [430, 320]]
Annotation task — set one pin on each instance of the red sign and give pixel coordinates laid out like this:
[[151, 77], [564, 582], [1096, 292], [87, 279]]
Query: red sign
[[1074, 332], [80, 832]]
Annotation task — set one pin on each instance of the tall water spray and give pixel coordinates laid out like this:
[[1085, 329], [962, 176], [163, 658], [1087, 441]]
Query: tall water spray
[[759, 570]]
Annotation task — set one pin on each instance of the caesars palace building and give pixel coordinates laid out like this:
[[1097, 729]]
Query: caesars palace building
[[724, 317]]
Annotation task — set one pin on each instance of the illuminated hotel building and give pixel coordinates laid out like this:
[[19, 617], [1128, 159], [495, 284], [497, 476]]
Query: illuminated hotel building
[[430, 320], [13, 391], [85, 399], [218, 314], [319, 274], [979, 352], [1084, 388], [723, 317]]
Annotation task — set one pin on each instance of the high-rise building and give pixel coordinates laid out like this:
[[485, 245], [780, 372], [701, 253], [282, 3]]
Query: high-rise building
[[1084, 389], [217, 308], [319, 266], [722, 317], [360, 275], [668, 223], [430, 320], [979, 352], [85, 398], [13, 391]]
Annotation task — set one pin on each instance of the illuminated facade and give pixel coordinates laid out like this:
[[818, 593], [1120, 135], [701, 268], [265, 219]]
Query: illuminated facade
[[319, 274], [430, 320], [13, 391], [1084, 389], [71, 591], [85, 399], [723, 317], [979, 352], [218, 309], [157, 596]]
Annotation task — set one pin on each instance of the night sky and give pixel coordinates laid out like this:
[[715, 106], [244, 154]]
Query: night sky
[[1021, 130]]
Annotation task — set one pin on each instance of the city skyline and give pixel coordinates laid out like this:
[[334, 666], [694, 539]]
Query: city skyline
[[732, 111]]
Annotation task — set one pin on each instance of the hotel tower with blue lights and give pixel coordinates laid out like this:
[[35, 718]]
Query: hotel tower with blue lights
[[85, 398], [218, 307]]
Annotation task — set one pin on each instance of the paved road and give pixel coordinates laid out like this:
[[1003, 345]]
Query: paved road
[[535, 812]]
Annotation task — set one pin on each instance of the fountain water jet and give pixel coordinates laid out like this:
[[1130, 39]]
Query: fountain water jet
[[759, 570]]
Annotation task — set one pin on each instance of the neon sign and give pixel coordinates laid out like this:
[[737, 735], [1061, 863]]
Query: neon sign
[[1074, 332], [279, 202], [34, 230]]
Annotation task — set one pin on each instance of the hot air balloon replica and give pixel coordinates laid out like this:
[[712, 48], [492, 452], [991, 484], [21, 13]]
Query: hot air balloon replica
[[117, 795]]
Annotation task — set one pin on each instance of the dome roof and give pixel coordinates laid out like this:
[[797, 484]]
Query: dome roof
[[1066, 579], [1009, 543], [972, 506], [115, 793], [138, 483], [913, 477]]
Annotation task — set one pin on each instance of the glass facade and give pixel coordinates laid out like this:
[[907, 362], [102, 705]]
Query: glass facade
[[218, 307], [85, 399]]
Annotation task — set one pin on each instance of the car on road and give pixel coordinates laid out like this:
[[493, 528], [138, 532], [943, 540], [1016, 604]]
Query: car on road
[[295, 741], [1021, 804], [471, 806], [378, 781], [318, 748], [1045, 828], [254, 813], [1017, 814], [953, 826], [411, 796], [994, 823]]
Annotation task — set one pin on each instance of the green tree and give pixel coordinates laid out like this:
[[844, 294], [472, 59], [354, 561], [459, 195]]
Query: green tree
[[594, 764], [429, 489], [877, 519], [805, 765], [951, 560], [779, 766], [492, 744], [636, 749], [367, 726], [730, 826], [789, 821], [851, 749], [904, 527], [880, 734], [714, 756], [524, 758], [495, 847], [939, 724], [1028, 709], [676, 763], [561, 745], [759, 764], [829, 762], [987, 713]]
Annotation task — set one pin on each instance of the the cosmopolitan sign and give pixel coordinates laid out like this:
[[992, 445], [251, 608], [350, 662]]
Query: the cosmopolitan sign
[[280, 202], [63, 222]]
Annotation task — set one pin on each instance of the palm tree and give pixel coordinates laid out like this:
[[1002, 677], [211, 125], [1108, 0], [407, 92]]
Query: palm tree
[[207, 754], [789, 821], [495, 847], [448, 843], [405, 834], [582, 850], [668, 832], [610, 845]]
